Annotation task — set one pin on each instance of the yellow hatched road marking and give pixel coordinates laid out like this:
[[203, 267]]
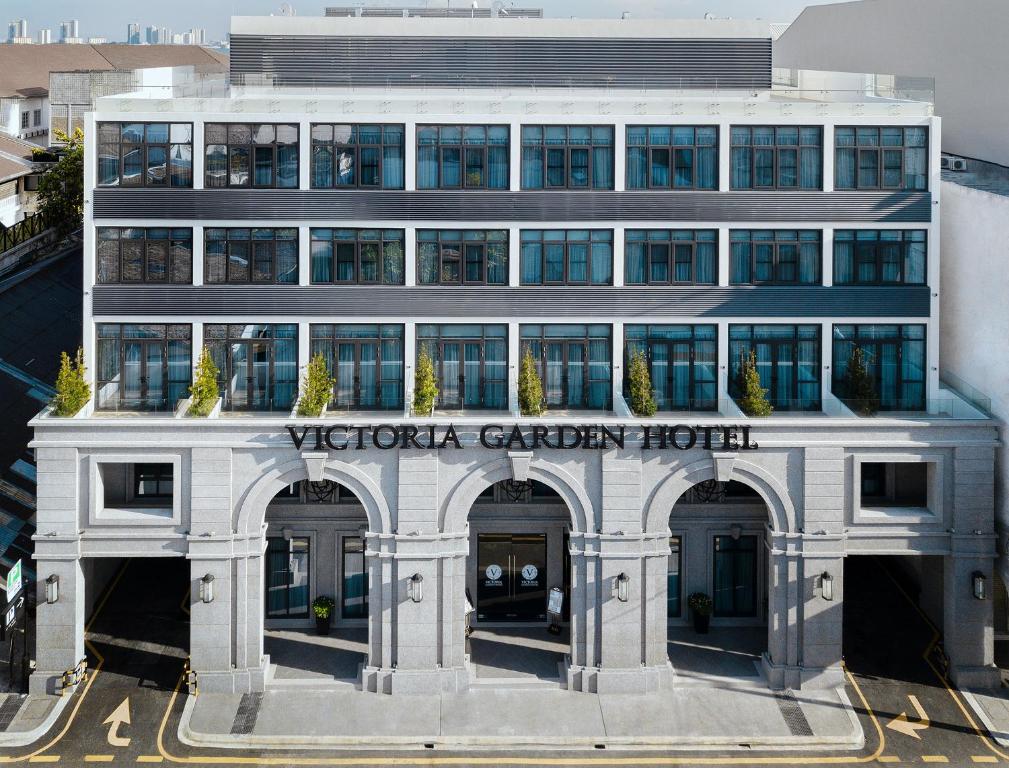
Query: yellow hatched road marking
[[984, 758], [934, 759]]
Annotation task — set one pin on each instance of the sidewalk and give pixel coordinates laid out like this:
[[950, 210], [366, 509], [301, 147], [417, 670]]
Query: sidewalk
[[25, 719], [992, 709], [690, 717]]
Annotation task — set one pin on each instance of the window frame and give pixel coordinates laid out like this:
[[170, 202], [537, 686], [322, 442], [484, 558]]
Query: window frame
[[251, 145], [123, 148], [464, 150], [775, 342], [672, 147], [251, 256], [671, 242], [438, 359], [165, 340], [631, 344], [158, 470], [318, 344], [838, 365], [776, 243], [544, 148], [171, 245], [878, 247], [383, 241], [222, 350], [735, 613], [880, 150], [527, 341], [776, 148], [287, 587], [464, 244], [346, 614], [525, 238], [337, 148]]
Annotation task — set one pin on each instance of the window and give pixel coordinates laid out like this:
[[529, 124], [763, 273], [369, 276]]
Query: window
[[354, 595], [672, 157], [134, 493], [894, 356], [667, 256], [881, 158], [462, 257], [365, 156], [142, 367], [894, 484], [788, 362], [470, 363], [777, 157], [366, 361], [682, 361], [152, 482], [37, 117], [735, 576], [145, 154], [24, 119], [567, 157], [241, 255], [574, 363], [567, 257], [287, 577], [462, 157], [884, 256], [674, 583], [144, 255], [251, 154], [257, 364], [782, 256], [357, 256]]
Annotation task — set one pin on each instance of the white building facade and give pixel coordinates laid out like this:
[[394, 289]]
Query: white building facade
[[556, 194]]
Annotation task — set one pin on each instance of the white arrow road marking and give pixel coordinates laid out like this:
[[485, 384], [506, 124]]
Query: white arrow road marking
[[119, 716], [902, 725]]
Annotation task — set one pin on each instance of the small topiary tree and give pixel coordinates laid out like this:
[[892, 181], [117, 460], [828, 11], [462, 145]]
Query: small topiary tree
[[639, 382], [316, 387], [530, 387], [72, 388], [859, 387], [753, 397], [204, 391], [425, 386]]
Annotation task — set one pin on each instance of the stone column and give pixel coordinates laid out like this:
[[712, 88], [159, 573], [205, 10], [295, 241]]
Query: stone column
[[821, 628]]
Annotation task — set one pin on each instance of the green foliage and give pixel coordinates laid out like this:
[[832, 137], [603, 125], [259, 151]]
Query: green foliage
[[425, 386], [859, 387], [639, 381], [530, 387], [61, 188], [753, 397], [700, 604], [204, 391], [316, 388], [323, 606], [72, 388]]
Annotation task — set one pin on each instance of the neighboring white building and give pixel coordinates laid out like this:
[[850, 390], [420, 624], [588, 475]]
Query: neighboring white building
[[45, 36], [18, 180]]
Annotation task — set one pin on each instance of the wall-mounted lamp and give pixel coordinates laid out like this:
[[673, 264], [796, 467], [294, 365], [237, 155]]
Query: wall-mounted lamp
[[826, 586], [207, 588], [980, 584], [622, 581], [415, 588], [52, 588]]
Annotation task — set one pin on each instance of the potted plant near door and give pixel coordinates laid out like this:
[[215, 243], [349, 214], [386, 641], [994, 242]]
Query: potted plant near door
[[700, 608], [323, 607]]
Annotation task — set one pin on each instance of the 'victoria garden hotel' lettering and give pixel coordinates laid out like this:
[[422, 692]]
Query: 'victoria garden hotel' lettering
[[588, 436]]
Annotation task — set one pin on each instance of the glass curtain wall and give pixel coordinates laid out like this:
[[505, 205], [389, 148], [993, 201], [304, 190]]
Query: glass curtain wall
[[895, 358], [366, 361], [574, 363], [470, 362], [258, 365], [142, 367], [682, 361], [788, 362]]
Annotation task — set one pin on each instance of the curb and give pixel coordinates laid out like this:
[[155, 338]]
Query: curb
[[999, 736], [24, 738]]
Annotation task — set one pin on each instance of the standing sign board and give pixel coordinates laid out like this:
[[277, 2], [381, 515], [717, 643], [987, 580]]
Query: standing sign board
[[555, 605], [13, 582]]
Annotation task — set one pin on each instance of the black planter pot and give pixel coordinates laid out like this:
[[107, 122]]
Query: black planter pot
[[701, 622], [322, 625]]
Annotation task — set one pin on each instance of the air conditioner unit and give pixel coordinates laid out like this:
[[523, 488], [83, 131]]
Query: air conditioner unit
[[951, 163]]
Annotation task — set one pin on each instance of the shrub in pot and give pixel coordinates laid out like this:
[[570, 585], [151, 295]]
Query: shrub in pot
[[323, 607], [700, 608]]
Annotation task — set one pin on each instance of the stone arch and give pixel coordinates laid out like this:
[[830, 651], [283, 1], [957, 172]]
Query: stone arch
[[253, 510], [665, 496], [457, 507]]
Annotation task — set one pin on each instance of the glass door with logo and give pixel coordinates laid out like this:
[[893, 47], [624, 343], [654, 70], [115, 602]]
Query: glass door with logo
[[511, 577]]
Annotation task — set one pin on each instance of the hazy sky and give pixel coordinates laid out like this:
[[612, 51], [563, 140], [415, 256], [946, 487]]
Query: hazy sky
[[108, 18]]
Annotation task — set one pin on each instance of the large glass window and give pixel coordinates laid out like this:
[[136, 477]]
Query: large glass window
[[144, 255], [674, 579], [574, 363], [258, 365], [894, 356], [470, 363], [893, 157], [667, 256], [682, 360], [142, 367], [287, 577], [877, 256], [251, 155], [357, 256], [366, 156], [366, 361], [462, 157], [242, 255], [777, 157], [788, 362], [672, 157], [735, 576], [462, 257], [567, 157], [354, 595], [145, 154], [567, 257], [779, 256]]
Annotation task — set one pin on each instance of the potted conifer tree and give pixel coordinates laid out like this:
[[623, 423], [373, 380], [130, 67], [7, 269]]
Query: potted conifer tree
[[753, 397], [425, 385], [204, 392], [530, 387], [859, 387], [639, 382], [72, 388], [316, 388]]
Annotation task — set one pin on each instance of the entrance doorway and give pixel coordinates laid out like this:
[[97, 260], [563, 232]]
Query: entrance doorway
[[511, 577]]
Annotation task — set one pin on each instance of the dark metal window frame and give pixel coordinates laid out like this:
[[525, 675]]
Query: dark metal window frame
[[382, 242], [776, 149], [567, 256], [164, 340], [156, 473], [567, 148], [879, 149], [317, 343], [252, 242], [251, 145], [696, 404], [123, 148], [338, 148], [463, 246], [346, 611], [732, 556], [877, 248], [775, 343], [568, 341], [648, 147], [776, 260], [464, 150], [437, 343], [676, 546], [671, 244], [171, 255], [226, 372], [875, 344], [287, 588]]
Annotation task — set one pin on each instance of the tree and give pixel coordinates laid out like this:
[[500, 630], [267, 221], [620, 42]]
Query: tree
[[859, 386], [753, 399], [530, 387], [72, 388], [639, 382], [425, 386], [204, 391], [61, 188], [317, 387]]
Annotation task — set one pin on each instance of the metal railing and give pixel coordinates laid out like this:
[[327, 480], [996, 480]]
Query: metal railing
[[29, 227]]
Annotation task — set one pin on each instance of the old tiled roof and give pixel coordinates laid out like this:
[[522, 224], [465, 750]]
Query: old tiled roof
[[15, 157]]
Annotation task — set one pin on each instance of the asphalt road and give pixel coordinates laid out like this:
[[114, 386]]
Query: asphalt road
[[136, 650]]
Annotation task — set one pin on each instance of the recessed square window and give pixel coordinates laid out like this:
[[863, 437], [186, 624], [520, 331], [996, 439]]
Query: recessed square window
[[125, 492]]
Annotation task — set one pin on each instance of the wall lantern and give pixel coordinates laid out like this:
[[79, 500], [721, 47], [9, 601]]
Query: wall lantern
[[980, 584], [826, 586], [207, 588], [415, 588], [622, 581], [52, 588]]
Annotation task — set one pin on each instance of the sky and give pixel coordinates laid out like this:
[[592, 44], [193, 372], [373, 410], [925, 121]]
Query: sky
[[108, 18]]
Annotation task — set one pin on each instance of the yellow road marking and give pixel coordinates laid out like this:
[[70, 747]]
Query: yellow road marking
[[984, 758], [98, 758], [150, 759], [934, 759], [44, 759], [888, 759]]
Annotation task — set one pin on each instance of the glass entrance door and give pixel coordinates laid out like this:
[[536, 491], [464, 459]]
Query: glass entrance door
[[143, 369], [462, 375], [511, 577], [250, 374], [357, 374], [565, 374]]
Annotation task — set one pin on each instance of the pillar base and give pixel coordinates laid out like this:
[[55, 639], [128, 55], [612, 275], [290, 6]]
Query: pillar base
[[796, 677], [640, 679], [251, 680], [414, 681], [46, 682], [975, 677]]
